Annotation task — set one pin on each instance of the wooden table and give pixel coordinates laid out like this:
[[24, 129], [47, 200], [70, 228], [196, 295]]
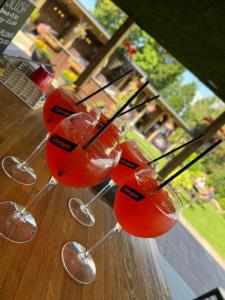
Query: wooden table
[[127, 267]]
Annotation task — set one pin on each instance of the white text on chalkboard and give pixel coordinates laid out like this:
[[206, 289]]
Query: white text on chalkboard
[[17, 6]]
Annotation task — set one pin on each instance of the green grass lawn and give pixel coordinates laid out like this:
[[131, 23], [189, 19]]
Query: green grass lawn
[[209, 223]]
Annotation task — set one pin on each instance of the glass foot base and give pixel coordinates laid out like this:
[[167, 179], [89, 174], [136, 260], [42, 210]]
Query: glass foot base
[[80, 267], [82, 215], [14, 169], [15, 226]]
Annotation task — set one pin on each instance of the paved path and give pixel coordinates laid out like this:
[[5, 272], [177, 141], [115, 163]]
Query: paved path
[[190, 260], [177, 286]]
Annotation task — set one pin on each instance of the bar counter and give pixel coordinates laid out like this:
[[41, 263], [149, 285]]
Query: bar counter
[[127, 267]]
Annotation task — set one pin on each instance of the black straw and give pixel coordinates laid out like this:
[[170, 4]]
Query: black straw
[[176, 149], [189, 164], [115, 115], [104, 87], [141, 104]]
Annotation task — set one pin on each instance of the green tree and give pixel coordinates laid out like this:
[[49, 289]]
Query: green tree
[[195, 113], [214, 167], [109, 15], [182, 98], [213, 164], [162, 69]]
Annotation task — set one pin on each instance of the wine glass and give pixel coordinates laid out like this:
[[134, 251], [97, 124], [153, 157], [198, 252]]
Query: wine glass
[[60, 103], [131, 160], [70, 163], [142, 209]]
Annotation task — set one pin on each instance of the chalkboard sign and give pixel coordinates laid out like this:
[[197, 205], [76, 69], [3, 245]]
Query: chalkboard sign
[[13, 14]]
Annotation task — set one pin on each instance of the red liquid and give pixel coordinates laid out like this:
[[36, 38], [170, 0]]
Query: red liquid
[[42, 78], [114, 130], [148, 217], [130, 162], [112, 134], [59, 105], [79, 168]]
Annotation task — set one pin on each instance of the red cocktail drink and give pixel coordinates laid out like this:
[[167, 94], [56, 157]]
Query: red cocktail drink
[[132, 160], [73, 165], [142, 209], [112, 131], [60, 104]]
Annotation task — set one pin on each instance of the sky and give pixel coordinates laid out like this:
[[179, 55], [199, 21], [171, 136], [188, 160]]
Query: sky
[[88, 4], [201, 88], [188, 77]]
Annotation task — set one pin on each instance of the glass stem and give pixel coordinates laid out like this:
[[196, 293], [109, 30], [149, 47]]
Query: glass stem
[[36, 151], [116, 228], [52, 182], [99, 195]]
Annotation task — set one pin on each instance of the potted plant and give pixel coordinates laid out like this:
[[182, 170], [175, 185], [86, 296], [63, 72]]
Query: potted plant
[[120, 61], [68, 76], [41, 53]]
